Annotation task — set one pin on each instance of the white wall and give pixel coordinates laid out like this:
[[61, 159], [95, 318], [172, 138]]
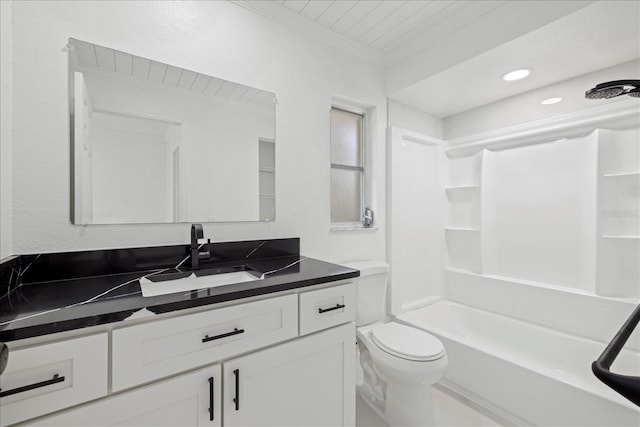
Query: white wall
[[409, 118], [215, 38], [5, 129], [526, 107]]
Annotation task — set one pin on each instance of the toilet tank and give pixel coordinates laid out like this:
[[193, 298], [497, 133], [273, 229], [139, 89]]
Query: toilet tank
[[371, 290]]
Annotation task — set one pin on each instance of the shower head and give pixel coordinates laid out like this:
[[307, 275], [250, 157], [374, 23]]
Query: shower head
[[614, 88]]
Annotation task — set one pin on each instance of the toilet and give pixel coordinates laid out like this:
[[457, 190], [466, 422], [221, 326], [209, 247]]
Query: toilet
[[399, 362]]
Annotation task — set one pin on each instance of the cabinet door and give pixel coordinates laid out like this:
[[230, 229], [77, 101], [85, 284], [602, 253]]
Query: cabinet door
[[188, 400], [306, 382], [48, 377]]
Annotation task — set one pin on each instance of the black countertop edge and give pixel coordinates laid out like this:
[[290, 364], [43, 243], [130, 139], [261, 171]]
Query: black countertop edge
[[98, 305], [165, 308], [48, 267]]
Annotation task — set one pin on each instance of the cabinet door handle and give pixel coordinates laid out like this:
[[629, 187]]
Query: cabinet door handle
[[211, 399], [235, 331], [236, 399], [56, 379], [337, 307]]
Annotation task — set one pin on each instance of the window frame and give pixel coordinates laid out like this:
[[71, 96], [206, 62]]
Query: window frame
[[364, 169]]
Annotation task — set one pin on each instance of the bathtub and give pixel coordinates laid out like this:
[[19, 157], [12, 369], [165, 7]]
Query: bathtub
[[526, 373]]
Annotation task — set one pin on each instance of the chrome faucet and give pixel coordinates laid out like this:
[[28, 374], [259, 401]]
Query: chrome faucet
[[196, 255], [367, 217]]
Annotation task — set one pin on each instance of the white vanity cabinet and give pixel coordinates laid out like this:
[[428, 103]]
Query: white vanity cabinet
[[286, 360], [305, 382], [48, 377], [149, 351], [189, 400]]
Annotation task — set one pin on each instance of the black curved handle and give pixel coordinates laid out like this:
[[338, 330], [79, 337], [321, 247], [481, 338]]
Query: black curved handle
[[627, 386]]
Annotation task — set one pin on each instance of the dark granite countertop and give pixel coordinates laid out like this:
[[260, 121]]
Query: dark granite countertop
[[36, 307]]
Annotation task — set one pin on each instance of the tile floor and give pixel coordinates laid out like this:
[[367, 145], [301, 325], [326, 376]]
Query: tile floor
[[450, 410]]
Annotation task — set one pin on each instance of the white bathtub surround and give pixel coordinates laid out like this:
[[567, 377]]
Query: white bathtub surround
[[543, 228], [415, 168], [549, 223], [526, 372], [592, 317], [540, 228]]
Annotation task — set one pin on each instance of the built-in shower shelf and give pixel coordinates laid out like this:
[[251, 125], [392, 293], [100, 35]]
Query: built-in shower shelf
[[622, 175], [462, 187], [524, 282], [267, 169], [626, 237], [267, 196], [462, 229]]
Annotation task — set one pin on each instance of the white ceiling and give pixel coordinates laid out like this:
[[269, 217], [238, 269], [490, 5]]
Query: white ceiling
[[446, 56], [596, 37], [388, 26]]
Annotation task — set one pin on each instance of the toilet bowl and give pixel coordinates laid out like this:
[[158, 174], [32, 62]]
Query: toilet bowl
[[399, 362]]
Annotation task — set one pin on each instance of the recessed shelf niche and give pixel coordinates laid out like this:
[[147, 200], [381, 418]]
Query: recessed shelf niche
[[462, 227], [267, 179], [618, 271]]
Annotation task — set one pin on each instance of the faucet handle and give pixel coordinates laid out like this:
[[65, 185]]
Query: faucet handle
[[206, 254], [196, 231]]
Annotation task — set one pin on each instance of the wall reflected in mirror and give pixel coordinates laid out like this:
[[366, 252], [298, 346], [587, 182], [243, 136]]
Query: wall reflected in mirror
[[155, 143]]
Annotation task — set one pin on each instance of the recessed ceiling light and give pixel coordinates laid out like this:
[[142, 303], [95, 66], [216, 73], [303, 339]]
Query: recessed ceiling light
[[516, 74], [551, 101]]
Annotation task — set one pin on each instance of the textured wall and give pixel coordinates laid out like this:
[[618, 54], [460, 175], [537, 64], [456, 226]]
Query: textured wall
[[215, 38], [5, 129], [409, 118]]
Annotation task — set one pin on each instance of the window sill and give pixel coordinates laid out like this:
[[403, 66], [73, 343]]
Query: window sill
[[354, 227]]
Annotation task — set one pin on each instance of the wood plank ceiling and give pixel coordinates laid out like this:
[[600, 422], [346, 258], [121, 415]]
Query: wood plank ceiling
[[388, 26]]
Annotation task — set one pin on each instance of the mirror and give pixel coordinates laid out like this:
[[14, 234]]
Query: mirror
[[155, 143]]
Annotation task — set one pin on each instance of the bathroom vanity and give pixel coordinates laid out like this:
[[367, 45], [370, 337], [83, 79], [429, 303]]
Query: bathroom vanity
[[279, 350]]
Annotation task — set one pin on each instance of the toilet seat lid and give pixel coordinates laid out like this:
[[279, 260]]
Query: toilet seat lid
[[407, 342]]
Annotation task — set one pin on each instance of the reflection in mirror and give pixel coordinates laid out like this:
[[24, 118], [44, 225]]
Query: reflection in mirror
[[154, 143]]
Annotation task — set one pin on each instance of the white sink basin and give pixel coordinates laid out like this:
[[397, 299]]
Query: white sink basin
[[154, 289]]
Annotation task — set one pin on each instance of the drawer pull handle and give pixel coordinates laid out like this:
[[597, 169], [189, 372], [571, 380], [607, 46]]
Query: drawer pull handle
[[236, 399], [56, 379], [235, 331], [337, 307], [211, 399]]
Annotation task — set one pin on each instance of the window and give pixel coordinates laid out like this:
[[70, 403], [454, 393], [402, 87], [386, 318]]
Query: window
[[347, 166]]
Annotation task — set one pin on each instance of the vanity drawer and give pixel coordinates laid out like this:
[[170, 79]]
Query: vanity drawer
[[324, 308], [48, 377], [145, 352]]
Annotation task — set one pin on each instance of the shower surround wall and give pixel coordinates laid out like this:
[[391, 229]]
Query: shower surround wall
[[545, 229]]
